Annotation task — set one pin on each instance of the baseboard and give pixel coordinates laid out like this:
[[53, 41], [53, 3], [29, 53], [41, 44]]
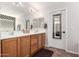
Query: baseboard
[[47, 46], [71, 52]]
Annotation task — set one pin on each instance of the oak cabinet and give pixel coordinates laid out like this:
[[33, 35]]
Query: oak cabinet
[[43, 39], [37, 42], [0, 47], [25, 46], [18, 47], [34, 44], [40, 41], [9, 47]]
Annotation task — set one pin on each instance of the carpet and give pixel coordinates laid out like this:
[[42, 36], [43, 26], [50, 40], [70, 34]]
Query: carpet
[[43, 53]]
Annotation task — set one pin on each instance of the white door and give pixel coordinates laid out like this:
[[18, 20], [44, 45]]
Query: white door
[[57, 29]]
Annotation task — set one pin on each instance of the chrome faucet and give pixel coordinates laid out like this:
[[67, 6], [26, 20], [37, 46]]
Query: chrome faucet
[[12, 33]]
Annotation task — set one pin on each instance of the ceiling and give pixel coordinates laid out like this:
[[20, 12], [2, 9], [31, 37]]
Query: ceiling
[[22, 7], [42, 5]]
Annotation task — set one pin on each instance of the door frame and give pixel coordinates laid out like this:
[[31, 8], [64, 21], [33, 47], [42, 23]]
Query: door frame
[[66, 23]]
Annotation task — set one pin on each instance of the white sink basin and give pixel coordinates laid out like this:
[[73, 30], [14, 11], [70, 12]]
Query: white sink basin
[[10, 34]]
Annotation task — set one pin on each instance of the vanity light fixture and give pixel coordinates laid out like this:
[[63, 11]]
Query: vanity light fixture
[[18, 3]]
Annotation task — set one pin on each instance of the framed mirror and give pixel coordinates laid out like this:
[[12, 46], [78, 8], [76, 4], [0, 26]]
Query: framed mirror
[[41, 22], [28, 25], [19, 27], [35, 24], [7, 23], [57, 26]]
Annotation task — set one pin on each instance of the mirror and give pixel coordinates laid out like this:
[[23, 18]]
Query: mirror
[[7, 23], [19, 27], [35, 24], [38, 23], [57, 26], [41, 22], [27, 25]]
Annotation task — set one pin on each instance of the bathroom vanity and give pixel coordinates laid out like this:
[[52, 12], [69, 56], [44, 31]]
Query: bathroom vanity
[[18, 38], [22, 45]]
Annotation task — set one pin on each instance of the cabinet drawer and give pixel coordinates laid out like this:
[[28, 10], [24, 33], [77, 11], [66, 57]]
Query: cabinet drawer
[[27, 37], [33, 36]]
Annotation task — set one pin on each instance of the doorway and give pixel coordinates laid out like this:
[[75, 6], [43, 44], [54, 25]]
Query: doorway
[[58, 29]]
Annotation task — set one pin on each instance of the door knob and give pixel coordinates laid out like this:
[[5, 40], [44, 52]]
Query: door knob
[[63, 31]]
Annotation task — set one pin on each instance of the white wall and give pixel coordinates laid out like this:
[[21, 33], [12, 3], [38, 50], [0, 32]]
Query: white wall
[[21, 12], [15, 11], [73, 20], [72, 26]]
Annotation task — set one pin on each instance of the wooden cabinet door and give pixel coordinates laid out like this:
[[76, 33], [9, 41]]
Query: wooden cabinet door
[[25, 46], [39, 41], [43, 39], [9, 47], [34, 44], [0, 48], [19, 46]]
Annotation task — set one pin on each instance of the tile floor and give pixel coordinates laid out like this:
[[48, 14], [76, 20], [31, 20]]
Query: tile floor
[[61, 53]]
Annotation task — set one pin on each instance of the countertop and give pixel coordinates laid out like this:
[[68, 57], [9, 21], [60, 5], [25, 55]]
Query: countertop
[[19, 35]]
